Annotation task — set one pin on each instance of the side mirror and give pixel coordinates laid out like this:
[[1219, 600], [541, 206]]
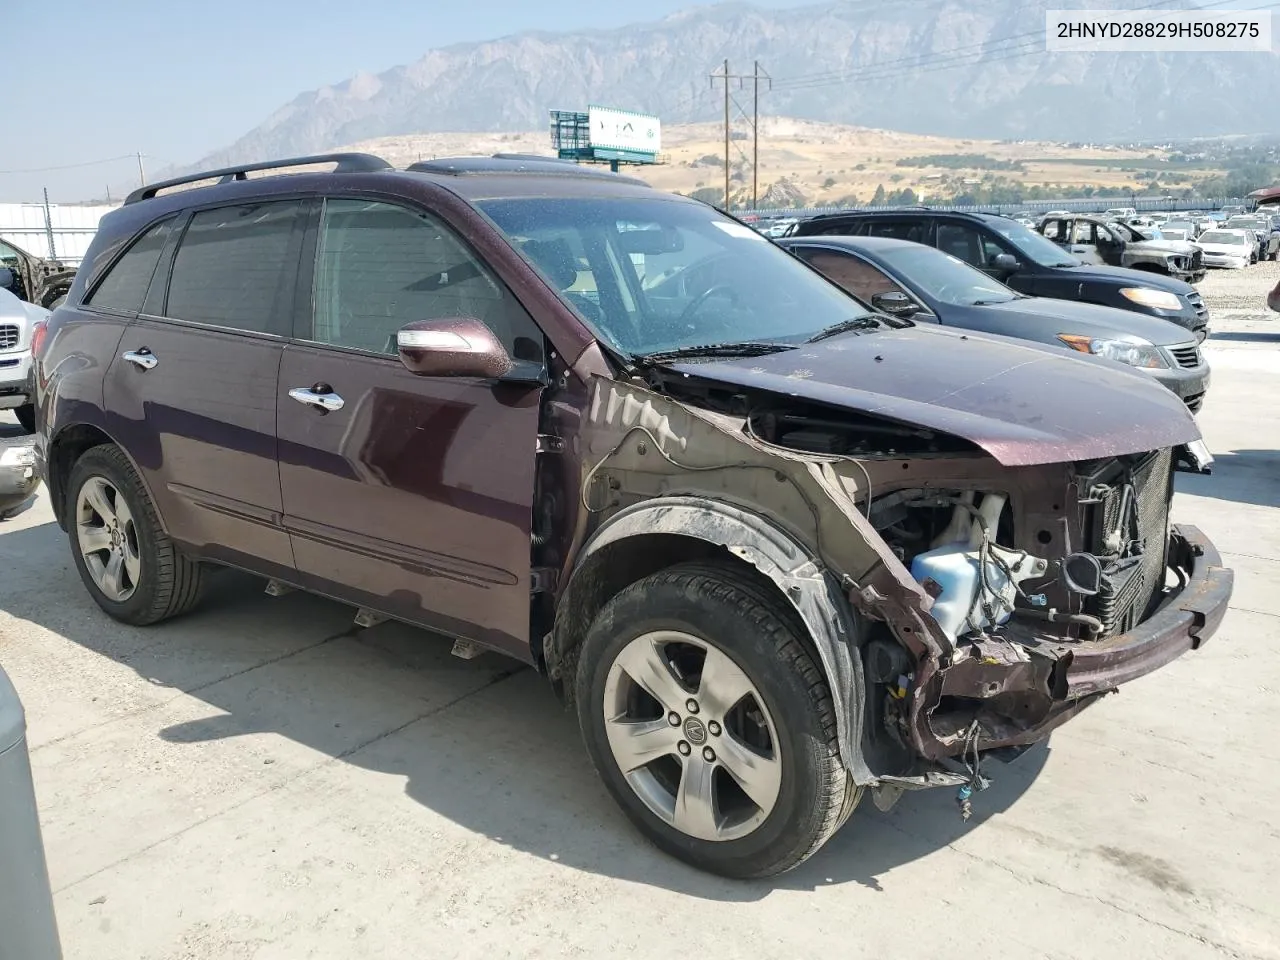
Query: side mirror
[[452, 347], [895, 303], [6, 278], [1006, 261]]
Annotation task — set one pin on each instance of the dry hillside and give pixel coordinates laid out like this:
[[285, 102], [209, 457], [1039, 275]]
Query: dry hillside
[[816, 162]]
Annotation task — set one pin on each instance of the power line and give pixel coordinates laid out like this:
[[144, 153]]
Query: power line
[[883, 71], [955, 55], [71, 166]]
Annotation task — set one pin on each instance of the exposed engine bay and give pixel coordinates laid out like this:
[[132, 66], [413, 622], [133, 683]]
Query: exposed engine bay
[[976, 582]]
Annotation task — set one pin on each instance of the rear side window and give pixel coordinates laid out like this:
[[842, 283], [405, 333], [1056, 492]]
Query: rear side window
[[914, 230], [236, 267], [124, 288]]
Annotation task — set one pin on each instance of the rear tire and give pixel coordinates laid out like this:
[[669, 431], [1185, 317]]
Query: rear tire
[[26, 415], [697, 677], [129, 565]]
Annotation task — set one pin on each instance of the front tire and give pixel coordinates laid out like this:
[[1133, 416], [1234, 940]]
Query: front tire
[[129, 565], [710, 724]]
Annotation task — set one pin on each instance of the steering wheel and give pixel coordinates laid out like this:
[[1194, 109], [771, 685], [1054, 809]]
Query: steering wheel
[[697, 302]]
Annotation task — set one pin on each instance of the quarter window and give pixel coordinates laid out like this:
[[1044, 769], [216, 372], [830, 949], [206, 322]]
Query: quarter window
[[124, 288], [236, 267], [380, 266]]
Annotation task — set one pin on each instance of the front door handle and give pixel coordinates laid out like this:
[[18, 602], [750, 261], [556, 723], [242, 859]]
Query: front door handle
[[320, 395], [143, 358]]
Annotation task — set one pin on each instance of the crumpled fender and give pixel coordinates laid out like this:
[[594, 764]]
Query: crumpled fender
[[816, 597]]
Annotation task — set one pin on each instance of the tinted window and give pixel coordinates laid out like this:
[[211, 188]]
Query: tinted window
[[963, 242], [380, 266], [125, 286], [853, 274], [915, 230], [236, 267]]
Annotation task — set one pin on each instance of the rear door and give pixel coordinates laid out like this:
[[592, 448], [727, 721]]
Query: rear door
[[414, 496], [192, 389]]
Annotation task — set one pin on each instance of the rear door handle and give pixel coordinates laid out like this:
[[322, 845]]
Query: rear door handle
[[143, 359], [321, 396]]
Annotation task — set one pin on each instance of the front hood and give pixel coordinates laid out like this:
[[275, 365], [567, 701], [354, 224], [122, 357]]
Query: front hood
[[1133, 278], [1183, 247], [1024, 404], [1089, 319]]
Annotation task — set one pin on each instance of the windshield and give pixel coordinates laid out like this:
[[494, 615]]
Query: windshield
[[1031, 244], [1221, 236], [652, 275], [945, 278]]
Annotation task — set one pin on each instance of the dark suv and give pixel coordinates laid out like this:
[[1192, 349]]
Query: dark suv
[[777, 551], [1026, 261]]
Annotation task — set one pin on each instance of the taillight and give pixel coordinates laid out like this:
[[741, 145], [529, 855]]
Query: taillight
[[38, 333]]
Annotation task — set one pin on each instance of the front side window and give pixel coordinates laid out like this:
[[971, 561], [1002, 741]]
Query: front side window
[[124, 288], [236, 267], [963, 242], [380, 266], [649, 275], [1030, 244]]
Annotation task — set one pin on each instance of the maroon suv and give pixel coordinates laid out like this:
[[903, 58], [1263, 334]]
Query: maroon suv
[[777, 551]]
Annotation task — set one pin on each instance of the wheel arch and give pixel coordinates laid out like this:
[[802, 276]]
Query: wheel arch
[[66, 447], [659, 533]]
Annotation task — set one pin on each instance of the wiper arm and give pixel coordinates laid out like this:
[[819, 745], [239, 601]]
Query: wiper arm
[[747, 348], [868, 321]]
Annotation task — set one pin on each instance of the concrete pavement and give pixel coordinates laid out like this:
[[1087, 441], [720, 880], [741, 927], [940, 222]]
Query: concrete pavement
[[262, 781]]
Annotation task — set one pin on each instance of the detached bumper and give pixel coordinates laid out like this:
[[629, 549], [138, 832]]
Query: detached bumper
[[1185, 621]]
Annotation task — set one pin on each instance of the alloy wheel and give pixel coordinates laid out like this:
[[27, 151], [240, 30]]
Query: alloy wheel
[[108, 539], [692, 736]]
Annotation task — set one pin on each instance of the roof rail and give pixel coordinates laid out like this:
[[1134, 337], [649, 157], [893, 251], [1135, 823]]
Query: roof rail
[[507, 164], [346, 163]]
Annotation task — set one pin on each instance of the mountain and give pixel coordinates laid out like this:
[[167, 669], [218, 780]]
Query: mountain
[[959, 68]]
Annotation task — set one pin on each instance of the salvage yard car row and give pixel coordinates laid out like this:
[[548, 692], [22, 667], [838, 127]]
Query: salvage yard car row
[[777, 547]]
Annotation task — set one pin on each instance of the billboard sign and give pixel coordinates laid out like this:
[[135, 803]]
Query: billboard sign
[[624, 131]]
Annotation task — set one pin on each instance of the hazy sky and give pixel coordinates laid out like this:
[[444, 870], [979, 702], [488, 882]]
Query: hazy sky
[[156, 76]]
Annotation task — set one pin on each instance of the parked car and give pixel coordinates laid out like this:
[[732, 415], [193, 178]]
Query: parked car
[[37, 280], [1266, 240], [1115, 213], [1027, 261], [18, 480], [18, 322], [1171, 228], [922, 283], [615, 434], [1094, 240], [1233, 249]]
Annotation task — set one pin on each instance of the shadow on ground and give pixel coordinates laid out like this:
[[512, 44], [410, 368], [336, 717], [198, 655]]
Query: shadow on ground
[[483, 743], [1246, 336], [1245, 476]]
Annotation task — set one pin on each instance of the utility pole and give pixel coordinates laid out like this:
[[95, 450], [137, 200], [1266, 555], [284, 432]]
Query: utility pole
[[48, 226], [142, 174], [756, 77]]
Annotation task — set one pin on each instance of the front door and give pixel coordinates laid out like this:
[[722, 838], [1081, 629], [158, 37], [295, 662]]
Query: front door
[[411, 495], [192, 387]]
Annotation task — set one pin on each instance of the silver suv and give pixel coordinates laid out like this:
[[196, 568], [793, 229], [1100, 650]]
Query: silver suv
[[18, 320]]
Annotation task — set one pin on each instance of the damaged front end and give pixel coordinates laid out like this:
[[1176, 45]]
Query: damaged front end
[[958, 605]]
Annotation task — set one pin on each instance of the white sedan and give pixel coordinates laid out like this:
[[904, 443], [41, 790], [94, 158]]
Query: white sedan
[[1226, 248]]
